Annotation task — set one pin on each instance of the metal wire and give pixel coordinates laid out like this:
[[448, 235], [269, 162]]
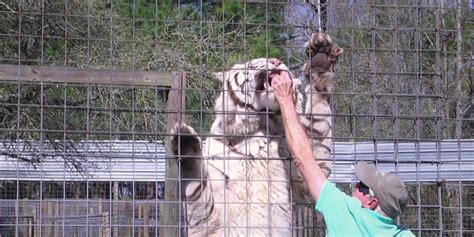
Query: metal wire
[[86, 159]]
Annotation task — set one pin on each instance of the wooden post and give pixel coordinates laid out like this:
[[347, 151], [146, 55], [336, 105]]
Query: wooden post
[[114, 210], [140, 215], [35, 222], [30, 228], [57, 213], [169, 210], [100, 212], [26, 213], [90, 229], [46, 214], [75, 211], [105, 224], [146, 222], [128, 219]]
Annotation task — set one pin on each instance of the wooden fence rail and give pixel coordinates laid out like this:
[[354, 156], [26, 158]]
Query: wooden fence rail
[[25, 73]]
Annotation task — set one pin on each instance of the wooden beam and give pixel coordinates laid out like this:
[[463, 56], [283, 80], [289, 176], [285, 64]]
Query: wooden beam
[[169, 210], [251, 1], [25, 73]]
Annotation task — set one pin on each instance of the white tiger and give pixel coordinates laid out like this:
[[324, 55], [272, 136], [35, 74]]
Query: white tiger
[[241, 185]]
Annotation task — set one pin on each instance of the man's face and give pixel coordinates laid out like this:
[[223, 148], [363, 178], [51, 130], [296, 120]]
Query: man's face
[[362, 192]]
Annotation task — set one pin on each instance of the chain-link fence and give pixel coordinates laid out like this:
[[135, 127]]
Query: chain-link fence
[[85, 111]]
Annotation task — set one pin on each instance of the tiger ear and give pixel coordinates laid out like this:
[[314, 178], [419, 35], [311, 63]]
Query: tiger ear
[[219, 76]]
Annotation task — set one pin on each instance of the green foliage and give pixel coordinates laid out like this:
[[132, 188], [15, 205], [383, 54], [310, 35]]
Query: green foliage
[[54, 50], [229, 9], [261, 50], [201, 38], [197, 43]]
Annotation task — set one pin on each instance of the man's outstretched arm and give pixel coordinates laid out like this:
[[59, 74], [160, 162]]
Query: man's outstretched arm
[[296, 136]]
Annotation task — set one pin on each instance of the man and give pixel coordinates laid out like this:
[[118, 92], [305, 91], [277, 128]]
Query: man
[[376, 200]]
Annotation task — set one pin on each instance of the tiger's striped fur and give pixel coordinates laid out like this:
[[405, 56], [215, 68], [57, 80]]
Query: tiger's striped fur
[[316, 118], [242, 184], [319, 73]]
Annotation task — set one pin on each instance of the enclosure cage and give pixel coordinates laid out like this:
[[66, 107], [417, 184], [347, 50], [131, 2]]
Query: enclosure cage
[[90, 89]]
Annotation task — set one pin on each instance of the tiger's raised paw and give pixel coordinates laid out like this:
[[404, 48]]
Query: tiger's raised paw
[[185, 145], [323, 53]]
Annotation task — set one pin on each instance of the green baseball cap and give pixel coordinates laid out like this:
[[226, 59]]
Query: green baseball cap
[[388, 188]]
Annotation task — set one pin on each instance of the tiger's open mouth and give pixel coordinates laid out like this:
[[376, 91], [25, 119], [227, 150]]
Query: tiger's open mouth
[[264, 80]]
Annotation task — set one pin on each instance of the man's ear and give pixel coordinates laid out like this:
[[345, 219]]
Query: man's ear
[[219, 76], [373, 203]]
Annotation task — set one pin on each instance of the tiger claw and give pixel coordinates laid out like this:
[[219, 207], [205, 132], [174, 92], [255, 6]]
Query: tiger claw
[[322, 51]]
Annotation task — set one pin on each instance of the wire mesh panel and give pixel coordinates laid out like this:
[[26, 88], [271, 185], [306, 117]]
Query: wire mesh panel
[[89, 97]]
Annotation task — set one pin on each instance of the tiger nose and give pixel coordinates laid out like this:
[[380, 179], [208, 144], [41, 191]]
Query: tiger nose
[[275, 61]]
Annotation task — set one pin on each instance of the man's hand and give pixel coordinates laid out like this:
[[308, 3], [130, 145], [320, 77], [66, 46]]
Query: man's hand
[[282, 85]]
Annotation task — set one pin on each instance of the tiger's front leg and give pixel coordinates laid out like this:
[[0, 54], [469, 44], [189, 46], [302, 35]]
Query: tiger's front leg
[[316, 117], [196, 188], [319, 71], [186, 146]]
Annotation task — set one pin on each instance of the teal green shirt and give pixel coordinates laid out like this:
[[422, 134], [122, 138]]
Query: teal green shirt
[[345, 216]]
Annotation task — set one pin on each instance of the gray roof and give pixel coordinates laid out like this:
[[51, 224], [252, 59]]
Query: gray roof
[[450, 160], [105, 160]]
